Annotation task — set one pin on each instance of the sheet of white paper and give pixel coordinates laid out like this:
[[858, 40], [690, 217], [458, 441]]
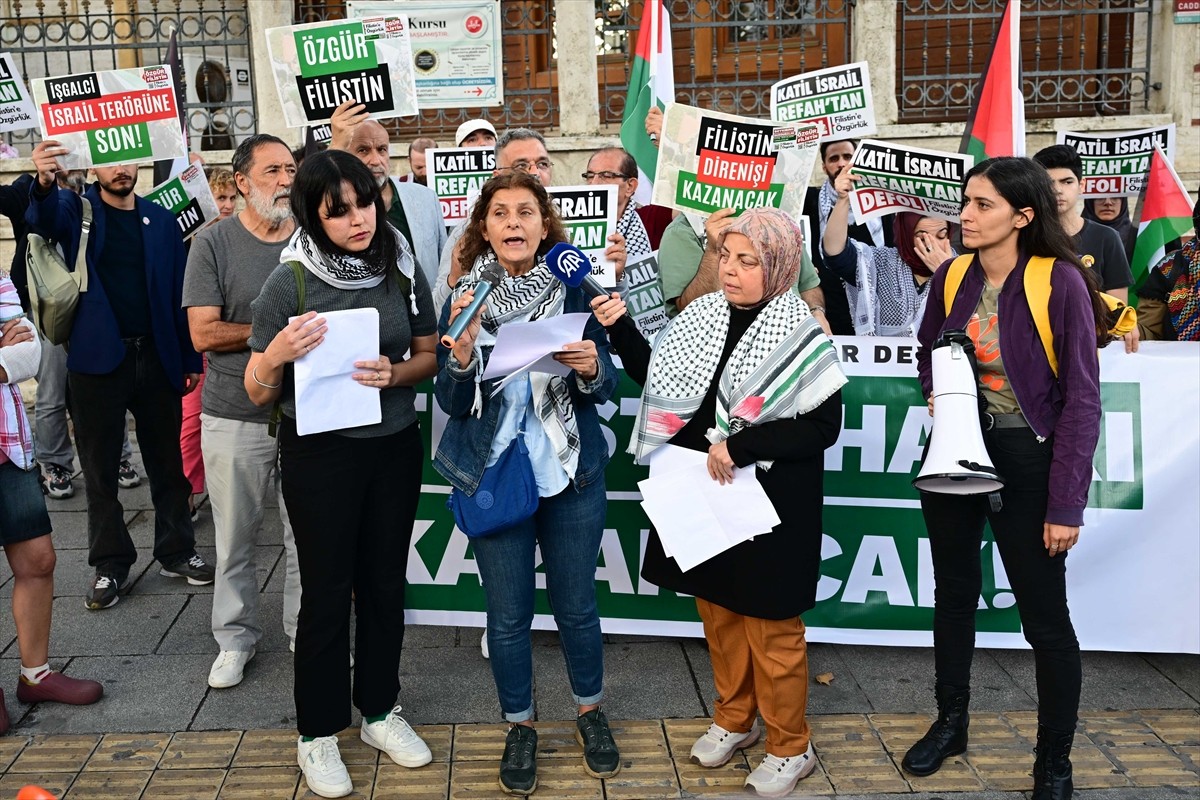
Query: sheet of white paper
[[520, 345], [327, 398], [696, 517]]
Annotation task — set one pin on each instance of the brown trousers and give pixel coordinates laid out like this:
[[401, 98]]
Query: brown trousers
[[759, 665]]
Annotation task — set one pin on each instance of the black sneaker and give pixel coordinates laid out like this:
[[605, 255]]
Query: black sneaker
[[197, 572], [106, 591], [58, 482], [601, 758], [127, 476], [518, 767]]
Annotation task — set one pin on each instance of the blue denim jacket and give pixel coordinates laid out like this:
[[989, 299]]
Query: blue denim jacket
[[463, 450], [1066, 407]]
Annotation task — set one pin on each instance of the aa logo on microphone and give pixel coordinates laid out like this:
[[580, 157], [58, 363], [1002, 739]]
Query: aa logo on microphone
[[572, 261]]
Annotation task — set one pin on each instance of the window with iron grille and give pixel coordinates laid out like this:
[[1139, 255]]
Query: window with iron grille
[[727, 52], [1078, 57], [530, 73], [48, 38]]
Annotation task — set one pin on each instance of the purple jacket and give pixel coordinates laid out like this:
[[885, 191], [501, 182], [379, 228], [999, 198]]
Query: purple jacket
[[1067, 407]]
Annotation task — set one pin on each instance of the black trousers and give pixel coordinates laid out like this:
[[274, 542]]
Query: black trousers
[[352, 503], [1039, 582], [98, 406]]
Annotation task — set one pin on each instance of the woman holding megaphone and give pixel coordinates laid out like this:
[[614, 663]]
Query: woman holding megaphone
[[1041, 433]]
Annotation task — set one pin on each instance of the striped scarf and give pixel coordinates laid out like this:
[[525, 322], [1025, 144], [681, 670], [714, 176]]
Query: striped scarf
[[1183, 299], [16, 440], [533, 295], [783, 366]]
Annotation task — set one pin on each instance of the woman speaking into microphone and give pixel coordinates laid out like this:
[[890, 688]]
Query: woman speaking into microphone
[[747, 376], [540, 432], [1041, 435]]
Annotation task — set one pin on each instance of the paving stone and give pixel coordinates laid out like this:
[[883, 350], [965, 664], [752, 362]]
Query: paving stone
[[900, 680], [255, 783], [186, 784], [1182, 669], [1110, 681], [192, 629], [557, 778], [134, 626], [263, 699], [646, 680], [108, 785], [56, 783], [198, 750], [152, 583], [70, 528], [853, 756], [122, 751], [843, 695], [700, 664], [10, 748], [448, 685], [393, 782], [266, 748], [416, 636], [1003, 768], [1174, 727], [55, 754], [362, 776]]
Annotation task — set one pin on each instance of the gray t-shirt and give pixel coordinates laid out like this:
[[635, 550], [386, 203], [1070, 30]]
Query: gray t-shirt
[[226, 267], [397, 327]]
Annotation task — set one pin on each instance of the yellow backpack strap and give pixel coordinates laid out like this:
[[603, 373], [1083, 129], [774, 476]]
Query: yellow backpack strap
[[954, 278], [1037, 294]]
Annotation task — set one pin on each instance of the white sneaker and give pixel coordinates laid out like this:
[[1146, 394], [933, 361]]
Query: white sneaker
[[227, 670], [483, 646], [396, 737], [717, 746], [776, 777], [322, 766]]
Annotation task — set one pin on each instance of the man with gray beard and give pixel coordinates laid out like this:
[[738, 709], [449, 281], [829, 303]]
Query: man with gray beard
[[226, 269]]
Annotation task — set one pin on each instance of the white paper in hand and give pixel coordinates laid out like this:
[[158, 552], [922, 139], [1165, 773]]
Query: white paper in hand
[[327, 398], [530, 346]]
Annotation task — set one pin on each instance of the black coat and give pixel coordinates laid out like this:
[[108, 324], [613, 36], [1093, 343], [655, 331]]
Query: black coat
[[774, 575]]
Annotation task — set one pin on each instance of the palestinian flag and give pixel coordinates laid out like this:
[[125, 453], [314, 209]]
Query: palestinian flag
[[996, 126], [1165, 213], [651, 82]]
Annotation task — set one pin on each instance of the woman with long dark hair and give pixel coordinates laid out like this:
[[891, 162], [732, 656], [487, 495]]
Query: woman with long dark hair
[[1041, 434], [514, 225], [351, 493]]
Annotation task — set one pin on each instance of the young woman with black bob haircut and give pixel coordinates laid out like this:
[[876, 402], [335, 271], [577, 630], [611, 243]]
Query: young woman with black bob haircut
[[1041, 437], [514, 225], [351, 493]]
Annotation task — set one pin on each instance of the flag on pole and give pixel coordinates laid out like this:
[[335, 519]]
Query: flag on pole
[[167, 168], [651, 82], [1165, 214], [996, 125]]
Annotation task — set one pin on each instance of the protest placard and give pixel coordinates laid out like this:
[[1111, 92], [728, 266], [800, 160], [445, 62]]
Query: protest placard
[[320, 65], [456, 174], [17, 112], [708, 160], [111, 117], [189, 197], [897, 177], [836, 99], [590, 216], [1115, 164], [645, 300], [458, 59]]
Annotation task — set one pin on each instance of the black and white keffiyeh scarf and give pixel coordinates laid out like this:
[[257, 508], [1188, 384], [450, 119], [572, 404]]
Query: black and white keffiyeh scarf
[[826, 199], [783, 365], [637, 241], [350, 272], [533, 295]]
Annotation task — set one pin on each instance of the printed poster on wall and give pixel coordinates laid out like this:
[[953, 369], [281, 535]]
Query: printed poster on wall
[[708, 160], [456, 175], [17, 112], [189, 197], [320, 65], [836, 99], [590, 216], [111, 117], [897, 177], [1115, 164], [457, 56]]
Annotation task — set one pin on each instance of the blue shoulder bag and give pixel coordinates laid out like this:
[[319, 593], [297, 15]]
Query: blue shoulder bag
[[507, 493]]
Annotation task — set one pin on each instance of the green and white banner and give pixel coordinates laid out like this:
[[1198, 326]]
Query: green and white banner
[[1115, 164], [589, 213], [835, 99], [1134, 578], [189, 197], [17, 112]]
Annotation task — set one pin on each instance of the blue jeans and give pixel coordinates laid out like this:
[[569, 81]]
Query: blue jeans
[[568, 527]]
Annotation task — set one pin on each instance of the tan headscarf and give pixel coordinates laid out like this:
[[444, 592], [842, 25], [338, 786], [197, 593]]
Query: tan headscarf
[[778, 242]]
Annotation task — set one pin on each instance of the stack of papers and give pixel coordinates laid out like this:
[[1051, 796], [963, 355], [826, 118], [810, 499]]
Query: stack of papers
[[696, 517], [327, 398], [530, 347]]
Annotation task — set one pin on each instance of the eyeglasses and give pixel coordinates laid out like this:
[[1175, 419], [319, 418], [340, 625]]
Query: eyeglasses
[[524, 165], [606, 175]]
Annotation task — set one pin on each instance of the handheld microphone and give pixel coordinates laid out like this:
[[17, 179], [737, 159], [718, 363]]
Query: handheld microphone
[[492, 276], [572, 266]]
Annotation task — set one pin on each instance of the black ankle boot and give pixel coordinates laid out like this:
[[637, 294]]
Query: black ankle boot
[[946, 737], [1052, 765]]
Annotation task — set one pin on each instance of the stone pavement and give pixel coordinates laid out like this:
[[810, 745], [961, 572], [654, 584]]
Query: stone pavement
[[161, 732]]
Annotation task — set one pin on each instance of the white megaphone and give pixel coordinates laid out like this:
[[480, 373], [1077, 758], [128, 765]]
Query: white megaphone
[[956, 461]]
